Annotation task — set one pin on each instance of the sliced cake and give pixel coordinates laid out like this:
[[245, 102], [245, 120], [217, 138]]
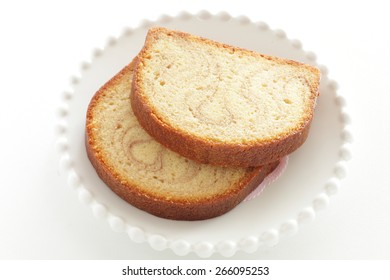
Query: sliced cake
[[219, 104]]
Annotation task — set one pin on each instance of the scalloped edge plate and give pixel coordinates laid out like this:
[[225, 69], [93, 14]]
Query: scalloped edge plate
[[313, 175]]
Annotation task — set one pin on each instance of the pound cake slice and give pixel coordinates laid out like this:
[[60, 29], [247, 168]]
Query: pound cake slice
[[150, 176], [220, 104]]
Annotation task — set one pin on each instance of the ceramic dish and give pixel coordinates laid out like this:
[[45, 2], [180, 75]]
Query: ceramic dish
[[313, 174]]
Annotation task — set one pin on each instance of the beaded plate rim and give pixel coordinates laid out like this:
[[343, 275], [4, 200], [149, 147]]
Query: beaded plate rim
[[204, 249]]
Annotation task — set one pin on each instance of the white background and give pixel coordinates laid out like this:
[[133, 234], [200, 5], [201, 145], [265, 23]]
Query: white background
[[43, 44]]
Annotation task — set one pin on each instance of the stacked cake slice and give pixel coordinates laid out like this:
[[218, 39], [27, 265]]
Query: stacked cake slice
[[191, 126]]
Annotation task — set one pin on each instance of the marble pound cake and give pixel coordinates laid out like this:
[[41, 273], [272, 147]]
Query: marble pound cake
[[148, 175], [219, 104]]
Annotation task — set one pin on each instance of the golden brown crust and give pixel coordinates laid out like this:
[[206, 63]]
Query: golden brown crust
[[174, 208], [181, 209], [153, 34], [215, 152]]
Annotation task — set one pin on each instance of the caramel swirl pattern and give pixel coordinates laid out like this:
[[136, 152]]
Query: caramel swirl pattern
[[214, 106], [145, 154], [210, 78]]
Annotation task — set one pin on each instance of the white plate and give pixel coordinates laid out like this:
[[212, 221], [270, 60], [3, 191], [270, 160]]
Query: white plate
[[313, 174]]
